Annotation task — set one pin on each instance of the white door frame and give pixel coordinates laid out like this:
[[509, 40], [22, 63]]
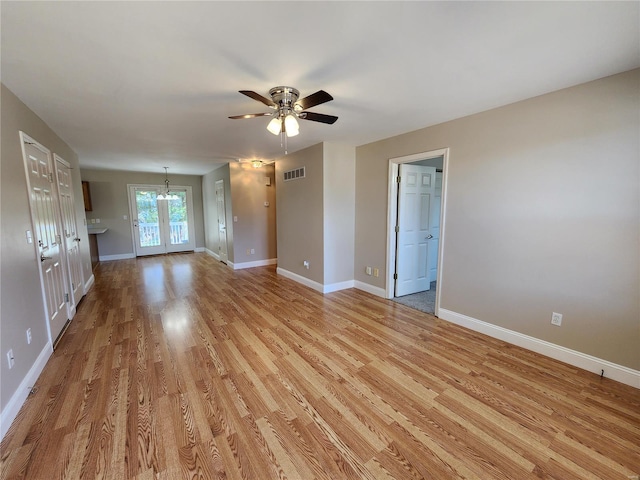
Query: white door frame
[[392, 214], [133, 215], [26, 139], [222, 227]]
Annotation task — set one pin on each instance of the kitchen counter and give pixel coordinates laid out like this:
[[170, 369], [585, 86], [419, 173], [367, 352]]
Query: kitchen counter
[[93, 244]]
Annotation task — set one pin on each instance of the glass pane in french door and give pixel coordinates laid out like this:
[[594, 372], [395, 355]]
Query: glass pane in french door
[[148, 223], [178, 220]]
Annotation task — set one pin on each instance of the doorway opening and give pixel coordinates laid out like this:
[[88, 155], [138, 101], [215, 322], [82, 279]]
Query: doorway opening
[[416, 215], [161, 225]]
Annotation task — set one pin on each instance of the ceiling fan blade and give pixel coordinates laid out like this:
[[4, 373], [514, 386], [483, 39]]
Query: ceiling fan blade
[[314, 99], [251, 115], [258, 97], [318, 117]]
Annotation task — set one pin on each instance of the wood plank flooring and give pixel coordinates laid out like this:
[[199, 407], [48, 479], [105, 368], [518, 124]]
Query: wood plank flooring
[[176, 367]]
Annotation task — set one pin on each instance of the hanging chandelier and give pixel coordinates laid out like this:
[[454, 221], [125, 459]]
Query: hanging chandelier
[[166, 194]]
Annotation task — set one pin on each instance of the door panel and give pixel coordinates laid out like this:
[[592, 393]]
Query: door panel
[[43, 204], [222, 222], [70, 238], [161, 226], [416, 193]]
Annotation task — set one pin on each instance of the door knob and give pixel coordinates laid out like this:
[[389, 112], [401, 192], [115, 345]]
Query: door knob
[[428, 237], [77, 239], [43, 258]]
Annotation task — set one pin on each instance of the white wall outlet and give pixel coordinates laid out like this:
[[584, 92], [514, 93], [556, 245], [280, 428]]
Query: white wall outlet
[[367, 270], [93, 220], [376, 272], [253, 251], [97, 220], [28, 336], [556, 319], [10, 358], [29, 236], [125, 217], [235, 218], [306, 264]]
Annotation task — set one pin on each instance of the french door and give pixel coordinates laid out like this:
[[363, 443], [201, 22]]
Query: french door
[[161, 226]]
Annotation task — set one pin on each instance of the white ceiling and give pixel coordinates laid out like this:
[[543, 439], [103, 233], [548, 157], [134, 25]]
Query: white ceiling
[[142, 85]]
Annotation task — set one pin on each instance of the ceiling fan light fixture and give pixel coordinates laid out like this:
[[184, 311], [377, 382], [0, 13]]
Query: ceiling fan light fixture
[[275, 125], [291, 125]]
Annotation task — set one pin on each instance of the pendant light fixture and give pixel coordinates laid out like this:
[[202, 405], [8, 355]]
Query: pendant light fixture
[[166, 195]]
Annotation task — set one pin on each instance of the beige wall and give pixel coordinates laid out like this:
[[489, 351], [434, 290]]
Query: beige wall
[[543, 209], [212, 239], [300, 214], [256, 224], [109, 198], [339, 212], [21, 305]]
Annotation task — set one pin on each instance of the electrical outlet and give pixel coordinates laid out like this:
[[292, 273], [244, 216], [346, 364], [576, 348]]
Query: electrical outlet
[[28, 336], [306, 264], [253, 251], [376, 272], [367, 270], [10, 358], [248, 251], [556, 319]]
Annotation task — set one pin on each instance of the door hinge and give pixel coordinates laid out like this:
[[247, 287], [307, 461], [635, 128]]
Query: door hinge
[[395, 276], [66, 297], [397, 228], [398, 179], [50, 177]]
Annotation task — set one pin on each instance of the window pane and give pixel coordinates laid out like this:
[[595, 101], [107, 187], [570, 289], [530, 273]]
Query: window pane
[[148, 224], [179, 231]]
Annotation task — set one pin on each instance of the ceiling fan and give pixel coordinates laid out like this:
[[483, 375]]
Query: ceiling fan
[[287, 109]]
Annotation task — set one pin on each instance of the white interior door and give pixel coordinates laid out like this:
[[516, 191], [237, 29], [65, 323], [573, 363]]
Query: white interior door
[[43, 204], [416, 192], [69, 230], [434, 225], [161, 226], [222, 222]]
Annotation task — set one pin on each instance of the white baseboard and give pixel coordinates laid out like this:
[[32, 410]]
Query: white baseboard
[[300, 279], [212, 253], [318, 287], [16, 401], [334, 287], [257, 263], [581, 360], [199, 249], [89, 283], [377, 291], [120, 256]]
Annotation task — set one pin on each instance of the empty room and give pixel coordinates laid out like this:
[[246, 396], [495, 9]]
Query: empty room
[[320, 240]]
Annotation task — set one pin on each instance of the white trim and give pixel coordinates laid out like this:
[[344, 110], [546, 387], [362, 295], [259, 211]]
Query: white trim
[[581, 360], [16, 401], [212, 253], [392, 212], [89, 283], [318, 287], [120, 256], [334, 287], [300, 279], [257, 263], [366, 287], [198, 249]]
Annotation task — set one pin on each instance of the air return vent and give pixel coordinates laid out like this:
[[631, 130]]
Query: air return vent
[[294, 174]]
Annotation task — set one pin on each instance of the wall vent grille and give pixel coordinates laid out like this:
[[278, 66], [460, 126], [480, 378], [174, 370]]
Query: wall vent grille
[[295, 174]]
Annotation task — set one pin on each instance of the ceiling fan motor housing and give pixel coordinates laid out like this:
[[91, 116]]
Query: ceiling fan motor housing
[[284, 98]]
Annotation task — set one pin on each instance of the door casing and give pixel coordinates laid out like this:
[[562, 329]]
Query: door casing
[[392, 212]]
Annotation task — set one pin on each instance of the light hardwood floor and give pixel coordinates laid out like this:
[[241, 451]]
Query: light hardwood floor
[[176, 367]]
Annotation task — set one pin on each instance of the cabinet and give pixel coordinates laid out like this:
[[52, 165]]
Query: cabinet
[[86, 194]]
